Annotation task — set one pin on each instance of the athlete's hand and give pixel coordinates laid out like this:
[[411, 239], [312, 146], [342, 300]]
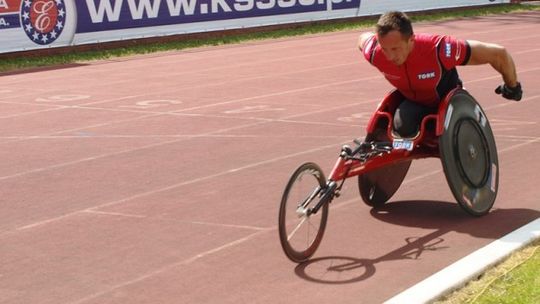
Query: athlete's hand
[[507, 92]]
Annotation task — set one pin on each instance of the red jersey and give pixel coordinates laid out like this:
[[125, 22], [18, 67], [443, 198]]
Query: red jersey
[[429, 72]]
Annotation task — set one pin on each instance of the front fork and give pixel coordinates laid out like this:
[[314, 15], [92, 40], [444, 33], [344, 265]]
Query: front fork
[[331, 189], [325, 194]]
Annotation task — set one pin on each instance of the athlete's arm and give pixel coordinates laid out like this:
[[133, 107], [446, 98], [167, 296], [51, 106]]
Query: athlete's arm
[[362, 39], [499, 58]]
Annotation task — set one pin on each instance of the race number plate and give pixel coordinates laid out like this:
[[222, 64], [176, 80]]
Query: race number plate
[[403, 144]]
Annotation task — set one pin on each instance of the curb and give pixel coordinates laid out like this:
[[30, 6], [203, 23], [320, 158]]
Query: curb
[[469, 267]]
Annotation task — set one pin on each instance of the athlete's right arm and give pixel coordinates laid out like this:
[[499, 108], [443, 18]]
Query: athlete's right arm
[[362, 39]]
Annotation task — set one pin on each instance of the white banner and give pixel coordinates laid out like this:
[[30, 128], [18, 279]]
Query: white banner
[[35, 24]]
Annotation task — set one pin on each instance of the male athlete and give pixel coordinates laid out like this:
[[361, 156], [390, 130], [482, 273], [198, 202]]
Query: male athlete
[[423, 67]]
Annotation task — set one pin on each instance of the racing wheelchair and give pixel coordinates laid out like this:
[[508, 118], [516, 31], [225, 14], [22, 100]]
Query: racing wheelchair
[[458, 133]]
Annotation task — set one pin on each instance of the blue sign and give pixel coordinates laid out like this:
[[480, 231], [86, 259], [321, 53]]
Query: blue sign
[[104, 15], [9, 21]]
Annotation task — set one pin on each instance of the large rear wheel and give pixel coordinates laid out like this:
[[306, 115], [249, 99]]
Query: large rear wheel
[[469, 155]]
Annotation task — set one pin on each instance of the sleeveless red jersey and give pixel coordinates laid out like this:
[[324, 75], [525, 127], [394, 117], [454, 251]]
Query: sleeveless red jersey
[[429, 72]]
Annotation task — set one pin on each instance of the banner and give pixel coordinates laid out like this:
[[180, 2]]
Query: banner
[[35, 24], [27, 24]]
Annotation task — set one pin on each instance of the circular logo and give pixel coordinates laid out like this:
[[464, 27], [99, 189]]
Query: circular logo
[[43, 20]]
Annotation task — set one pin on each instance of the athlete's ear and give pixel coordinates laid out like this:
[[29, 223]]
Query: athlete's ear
[[410, 42]]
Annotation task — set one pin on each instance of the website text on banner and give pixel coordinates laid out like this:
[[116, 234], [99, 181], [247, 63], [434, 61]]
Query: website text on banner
[[34, 24]]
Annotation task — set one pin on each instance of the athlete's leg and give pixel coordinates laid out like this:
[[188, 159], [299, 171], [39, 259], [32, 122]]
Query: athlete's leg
[[408, 117]]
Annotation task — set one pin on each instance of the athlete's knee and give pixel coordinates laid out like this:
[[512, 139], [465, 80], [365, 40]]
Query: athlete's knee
[[403, 125], [407, 118]]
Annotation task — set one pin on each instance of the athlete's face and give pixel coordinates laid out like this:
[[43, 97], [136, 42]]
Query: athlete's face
[[395, 47]]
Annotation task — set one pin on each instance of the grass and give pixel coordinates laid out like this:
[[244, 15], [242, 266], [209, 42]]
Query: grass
[[25, 62], [516, 280]]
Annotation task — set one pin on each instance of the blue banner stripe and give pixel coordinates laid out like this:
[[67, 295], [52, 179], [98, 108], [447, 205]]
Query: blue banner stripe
[[9, 21], [104, 15]]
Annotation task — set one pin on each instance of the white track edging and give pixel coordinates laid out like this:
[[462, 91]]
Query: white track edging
[[469, 267]]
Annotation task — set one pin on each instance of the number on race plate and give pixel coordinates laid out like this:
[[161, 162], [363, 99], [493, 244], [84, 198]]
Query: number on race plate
[[403, 144]]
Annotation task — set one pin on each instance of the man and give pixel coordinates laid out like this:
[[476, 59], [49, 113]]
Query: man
[[423, 67]]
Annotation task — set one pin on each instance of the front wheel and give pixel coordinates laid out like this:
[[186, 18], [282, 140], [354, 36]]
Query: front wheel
[[301, 231]]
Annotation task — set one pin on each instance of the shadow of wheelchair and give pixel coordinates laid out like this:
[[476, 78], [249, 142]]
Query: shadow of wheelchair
[[444, 217]]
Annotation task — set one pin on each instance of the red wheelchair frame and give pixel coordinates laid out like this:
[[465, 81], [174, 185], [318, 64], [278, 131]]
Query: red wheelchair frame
[[424, 144]]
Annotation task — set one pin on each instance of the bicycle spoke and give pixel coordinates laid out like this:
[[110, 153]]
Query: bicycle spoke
[[310, 198], [296, 228], [313, 225]]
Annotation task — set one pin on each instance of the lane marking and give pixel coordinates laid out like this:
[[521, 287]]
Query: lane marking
[[170, 266], [61, 98], [173, 186], [303, 89], [187, 182], [215, 132], [150, 104], [112, 213], [202, 178], [159, 218]]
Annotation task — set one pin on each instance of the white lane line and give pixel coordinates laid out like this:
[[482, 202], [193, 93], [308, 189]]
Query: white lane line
[[337, 83], [170, 266], [172, 186], [499, 76], [86, 159], [215, 132], [513, 147], [108, 123], [158, 218], [183, 136], [225, 225], [469, 267], [527, 51], [198, 256], [516, 146], [169, 187], [517, 137], [62, 106], [224, 173], [54, 108], [510, 102], [113, 213]]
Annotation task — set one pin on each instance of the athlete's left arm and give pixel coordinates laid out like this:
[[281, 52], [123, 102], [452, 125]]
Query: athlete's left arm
[[499, 58]]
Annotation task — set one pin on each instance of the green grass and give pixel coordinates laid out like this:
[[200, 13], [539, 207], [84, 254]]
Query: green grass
[[25, 62], [516, 280]]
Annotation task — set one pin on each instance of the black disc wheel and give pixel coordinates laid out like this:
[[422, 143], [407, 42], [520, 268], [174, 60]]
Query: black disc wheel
[[378, 186], [300, 231], [469, 155]]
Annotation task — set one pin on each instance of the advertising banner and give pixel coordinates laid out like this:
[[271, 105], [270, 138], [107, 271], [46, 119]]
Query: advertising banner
[[35, 24], [27, 24]]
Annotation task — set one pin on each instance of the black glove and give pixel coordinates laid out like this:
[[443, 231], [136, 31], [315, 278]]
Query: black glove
[[510, 93]]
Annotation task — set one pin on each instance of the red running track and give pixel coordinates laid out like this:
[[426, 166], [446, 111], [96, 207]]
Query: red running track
[[157, 179]]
